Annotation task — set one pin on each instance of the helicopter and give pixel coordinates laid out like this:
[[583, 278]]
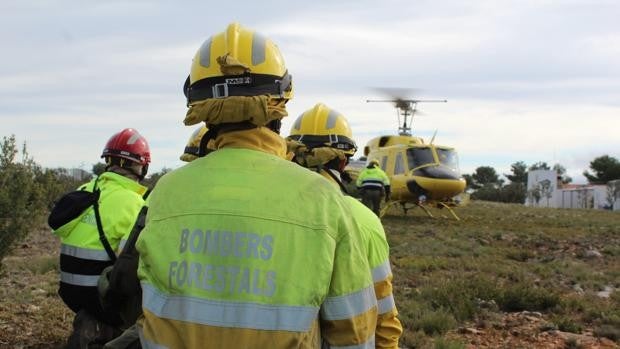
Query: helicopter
[[421, 174]]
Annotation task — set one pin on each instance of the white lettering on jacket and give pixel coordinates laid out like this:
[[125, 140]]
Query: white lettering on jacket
[[220, 278]]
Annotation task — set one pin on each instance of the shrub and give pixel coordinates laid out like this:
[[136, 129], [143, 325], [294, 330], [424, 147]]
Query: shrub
[[567, 325], [522, 296], [461, 297], [608, 331], [434, 322], [573, 343], [20, 197]]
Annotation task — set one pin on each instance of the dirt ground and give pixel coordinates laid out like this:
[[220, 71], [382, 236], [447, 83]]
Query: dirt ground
[[33, 316], [525, 330], [31, 313]]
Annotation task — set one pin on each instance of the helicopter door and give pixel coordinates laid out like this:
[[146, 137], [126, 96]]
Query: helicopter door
[[384, 163], [399, 164]]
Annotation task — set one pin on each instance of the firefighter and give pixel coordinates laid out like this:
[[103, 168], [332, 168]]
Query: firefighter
[[321, 140], [91, 241], [228, 258], [119, 287], [373, 184]]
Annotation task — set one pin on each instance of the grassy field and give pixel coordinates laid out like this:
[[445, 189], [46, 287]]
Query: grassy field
[[506, 258], [505, 276]]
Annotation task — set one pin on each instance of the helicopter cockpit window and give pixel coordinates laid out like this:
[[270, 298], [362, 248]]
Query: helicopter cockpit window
[[448, 157], [399, 165], [384, 163], [419, 156]]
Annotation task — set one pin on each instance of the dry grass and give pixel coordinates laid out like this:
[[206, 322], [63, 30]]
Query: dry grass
[[31, 313], [504, 258], [500, 258]]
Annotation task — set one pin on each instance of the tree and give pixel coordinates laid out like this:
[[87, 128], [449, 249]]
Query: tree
[[488, 192], [561, 171], [514, 192], [152, 179], [613, 194], [21, 203], [98, 168], [541, 165], [519, 173], [605, 168], [469, 181], [485, 175]]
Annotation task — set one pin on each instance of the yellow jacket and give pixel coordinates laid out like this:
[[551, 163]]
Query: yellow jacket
[[230, 259]]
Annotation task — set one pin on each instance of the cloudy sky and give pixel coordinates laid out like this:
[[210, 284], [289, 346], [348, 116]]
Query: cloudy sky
[[528, 80]]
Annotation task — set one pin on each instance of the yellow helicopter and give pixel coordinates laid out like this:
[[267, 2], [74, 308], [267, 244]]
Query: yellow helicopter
[[421, 174]]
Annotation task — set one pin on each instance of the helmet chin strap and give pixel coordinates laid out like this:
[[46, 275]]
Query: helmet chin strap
[[143, 172]]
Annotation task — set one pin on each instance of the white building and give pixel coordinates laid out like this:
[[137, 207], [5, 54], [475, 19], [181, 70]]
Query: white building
[[545, 190], [79, 174], [541, 188], [613, 193]]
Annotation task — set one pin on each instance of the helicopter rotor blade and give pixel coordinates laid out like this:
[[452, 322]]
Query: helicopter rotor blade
[[397, 92]]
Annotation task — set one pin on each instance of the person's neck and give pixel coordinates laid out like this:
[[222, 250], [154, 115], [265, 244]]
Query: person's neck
[[260, 138], [127, 173]]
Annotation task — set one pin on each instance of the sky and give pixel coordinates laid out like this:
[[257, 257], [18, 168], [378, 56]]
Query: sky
[[528, 80]]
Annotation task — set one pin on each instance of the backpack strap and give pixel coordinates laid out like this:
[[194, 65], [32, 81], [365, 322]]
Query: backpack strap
[[340, 184], [102, 237]]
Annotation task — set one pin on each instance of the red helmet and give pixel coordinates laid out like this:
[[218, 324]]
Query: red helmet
[[128, 144]]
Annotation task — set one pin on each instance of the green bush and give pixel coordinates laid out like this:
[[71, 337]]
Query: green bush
[[434, 322], [461, 297], [20, 197], [608, 331], [523, 296], [28, 193], [565, 324]]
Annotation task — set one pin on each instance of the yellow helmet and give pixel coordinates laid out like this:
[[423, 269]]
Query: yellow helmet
[[322, 126], [238, 62], [196, 146], [373, 163]]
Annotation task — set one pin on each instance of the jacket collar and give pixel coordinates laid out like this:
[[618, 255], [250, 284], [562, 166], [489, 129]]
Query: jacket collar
[[116, 179], [260, 138]]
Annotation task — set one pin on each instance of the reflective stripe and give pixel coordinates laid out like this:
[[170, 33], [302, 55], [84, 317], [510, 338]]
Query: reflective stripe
[[84, 253], [297, 124], [147, 344], [386, 304], [121, 245], [332, 117], [369, 344], [372, 184], [346, 307], [381, 272], [205, 53], [133, 138], [228, 314], [372, 180], [259, 46], [78, 279]]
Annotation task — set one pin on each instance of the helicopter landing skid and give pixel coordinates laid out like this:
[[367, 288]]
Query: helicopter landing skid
[[424, 207], [443, 204], [387, 207]]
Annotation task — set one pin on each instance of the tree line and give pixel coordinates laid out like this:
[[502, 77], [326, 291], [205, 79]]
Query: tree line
[[485, 183]]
